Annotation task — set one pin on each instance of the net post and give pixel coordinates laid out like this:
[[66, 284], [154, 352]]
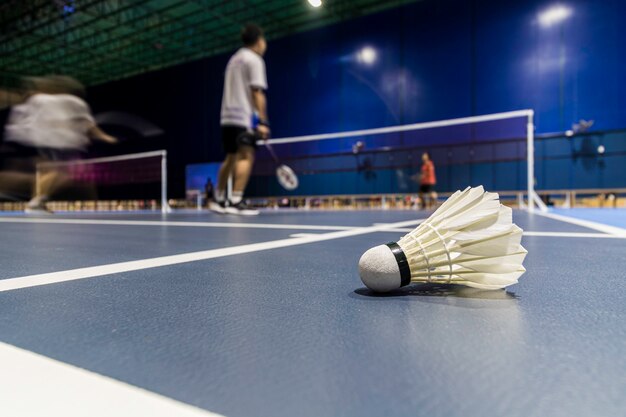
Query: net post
[[530, 160], [164, 205], [567, 203], [533, 197]]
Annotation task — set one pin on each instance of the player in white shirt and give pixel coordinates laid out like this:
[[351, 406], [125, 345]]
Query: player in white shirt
[[54, 123], [243, 100]]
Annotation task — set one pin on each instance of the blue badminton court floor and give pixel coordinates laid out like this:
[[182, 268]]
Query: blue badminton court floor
[[194, 314]]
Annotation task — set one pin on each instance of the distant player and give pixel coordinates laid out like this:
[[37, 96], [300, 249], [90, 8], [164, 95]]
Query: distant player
[[243, 100], [428, 180]]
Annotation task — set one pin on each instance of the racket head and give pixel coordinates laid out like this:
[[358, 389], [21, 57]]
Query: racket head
[[286, 177], [139, 126]]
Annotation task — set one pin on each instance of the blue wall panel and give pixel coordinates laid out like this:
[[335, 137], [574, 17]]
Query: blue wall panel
[[613, 172], [435, 59], [482, 174], [558, 176], [459, 176], [507, 176]]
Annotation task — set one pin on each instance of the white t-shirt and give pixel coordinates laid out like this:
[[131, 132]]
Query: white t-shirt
[[58, 121], [245, 69]]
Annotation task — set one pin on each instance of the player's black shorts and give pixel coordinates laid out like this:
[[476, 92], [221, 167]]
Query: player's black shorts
[[229, 138], [427, 188], [16, 157], [53, 154]]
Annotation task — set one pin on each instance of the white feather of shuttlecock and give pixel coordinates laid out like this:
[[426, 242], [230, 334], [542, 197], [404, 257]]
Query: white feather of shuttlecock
[[470, 240]]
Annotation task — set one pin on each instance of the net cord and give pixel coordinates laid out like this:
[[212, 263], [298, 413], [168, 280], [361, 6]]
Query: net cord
[[54, 164], [404, 128]]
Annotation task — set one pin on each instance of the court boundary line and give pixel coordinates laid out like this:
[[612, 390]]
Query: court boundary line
[[611, 230], [608, 231], [34, 384], [29, 281], [177, 224], [549, 234], [573, 235]]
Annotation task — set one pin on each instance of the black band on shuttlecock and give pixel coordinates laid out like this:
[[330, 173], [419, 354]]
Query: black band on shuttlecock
[[403, 263]]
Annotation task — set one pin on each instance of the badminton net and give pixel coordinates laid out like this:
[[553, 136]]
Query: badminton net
[[132, 181], [495, 150]]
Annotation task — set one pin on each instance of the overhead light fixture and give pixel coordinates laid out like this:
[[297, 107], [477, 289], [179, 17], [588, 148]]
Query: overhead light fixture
[[554, 15], [367, 55], [315, 3]]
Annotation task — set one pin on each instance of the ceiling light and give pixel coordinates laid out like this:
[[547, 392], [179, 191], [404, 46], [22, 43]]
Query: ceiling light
[[554, 15], [367, 55]]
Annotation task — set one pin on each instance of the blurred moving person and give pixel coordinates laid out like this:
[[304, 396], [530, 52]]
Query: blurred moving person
[[53, 124], [243, 102], [428, 180]]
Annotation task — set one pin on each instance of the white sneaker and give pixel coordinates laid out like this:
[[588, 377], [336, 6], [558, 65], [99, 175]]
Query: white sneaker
[[242, 209], [218, 207], [42, 209]]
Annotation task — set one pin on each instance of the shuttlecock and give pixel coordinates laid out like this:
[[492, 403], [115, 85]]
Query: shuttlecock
[[470, 240]]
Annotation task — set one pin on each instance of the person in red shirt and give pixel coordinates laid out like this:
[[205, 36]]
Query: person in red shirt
[[428, 196]]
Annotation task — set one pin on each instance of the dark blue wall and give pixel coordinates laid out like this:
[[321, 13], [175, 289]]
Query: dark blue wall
[[437, 59], [561, 163], [445, 59]]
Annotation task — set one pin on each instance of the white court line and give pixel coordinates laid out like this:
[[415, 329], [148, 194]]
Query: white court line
[[175, 223], [34, 385], [544, 234], [96, 271], [574, 235], [612, 230]]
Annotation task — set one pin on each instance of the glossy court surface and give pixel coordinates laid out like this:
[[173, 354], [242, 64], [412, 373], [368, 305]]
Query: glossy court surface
[[197, 314]]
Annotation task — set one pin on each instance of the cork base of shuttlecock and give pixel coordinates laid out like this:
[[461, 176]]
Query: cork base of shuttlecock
[[379, 269]]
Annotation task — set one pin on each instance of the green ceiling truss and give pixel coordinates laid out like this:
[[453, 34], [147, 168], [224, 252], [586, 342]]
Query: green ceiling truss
[[98, 41]]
